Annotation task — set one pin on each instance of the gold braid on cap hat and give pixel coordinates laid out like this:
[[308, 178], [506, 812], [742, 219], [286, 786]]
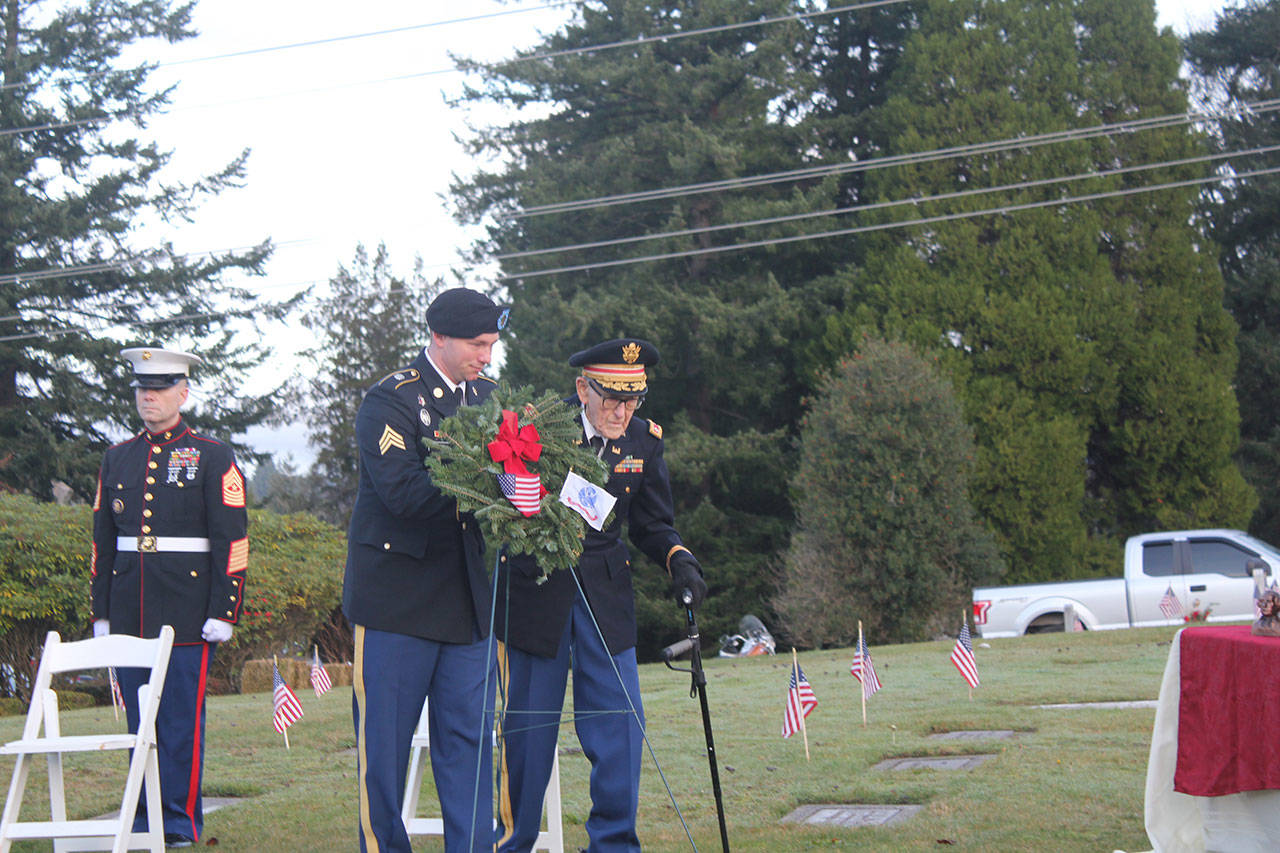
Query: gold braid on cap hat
[[617, 377]]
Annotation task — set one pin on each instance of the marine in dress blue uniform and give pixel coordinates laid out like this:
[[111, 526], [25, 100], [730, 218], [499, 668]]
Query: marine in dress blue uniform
[[544, 630], [170, 547], [417, 593]]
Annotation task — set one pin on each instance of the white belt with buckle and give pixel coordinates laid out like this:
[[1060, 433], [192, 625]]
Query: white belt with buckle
[[151, 544]]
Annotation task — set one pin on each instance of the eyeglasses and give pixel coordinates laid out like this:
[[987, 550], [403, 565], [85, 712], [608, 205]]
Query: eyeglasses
[[611, 404]]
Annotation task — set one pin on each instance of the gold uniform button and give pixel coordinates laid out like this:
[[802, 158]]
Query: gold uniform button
[[194, 573], [437, 393], [153, 464], [155, 449], [151, 481], [146, 513], [386, 546], [148, 496], [232, 597], [628, 489], [464, 525], [503, 559], [168, 435], [180, 484], [146, 528], [228, 612]]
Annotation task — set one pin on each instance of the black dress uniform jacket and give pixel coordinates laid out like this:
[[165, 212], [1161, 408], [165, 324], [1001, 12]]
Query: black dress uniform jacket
[[166, 485], [532, 617], [414, 564]]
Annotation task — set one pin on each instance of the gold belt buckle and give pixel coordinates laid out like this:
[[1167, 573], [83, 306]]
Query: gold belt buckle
[[147, 544]]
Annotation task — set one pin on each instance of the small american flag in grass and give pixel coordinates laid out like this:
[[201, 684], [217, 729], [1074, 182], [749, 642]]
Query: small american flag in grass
[[962, 656], [864, 670], [287, 710], [800, 701], [320, 681]]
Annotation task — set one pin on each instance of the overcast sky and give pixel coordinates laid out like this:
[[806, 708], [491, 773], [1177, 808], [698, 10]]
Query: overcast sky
[[352, 139]]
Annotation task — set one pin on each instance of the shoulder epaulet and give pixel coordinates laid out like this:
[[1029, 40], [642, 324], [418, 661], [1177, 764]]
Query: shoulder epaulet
[[401, 376], [654, 429], [487, 379]]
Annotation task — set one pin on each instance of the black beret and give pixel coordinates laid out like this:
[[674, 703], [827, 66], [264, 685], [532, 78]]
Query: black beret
[[617, 365], [463, 313]]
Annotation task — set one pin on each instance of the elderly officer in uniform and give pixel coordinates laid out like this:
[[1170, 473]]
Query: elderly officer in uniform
[[543, 630], [416, 590], [170, 547]]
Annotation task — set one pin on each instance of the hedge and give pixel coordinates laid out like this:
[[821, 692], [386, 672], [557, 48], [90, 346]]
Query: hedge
[[293, 590]]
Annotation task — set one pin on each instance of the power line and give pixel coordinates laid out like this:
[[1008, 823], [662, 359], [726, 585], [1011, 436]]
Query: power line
[[888, 225], [948, 196], [311, 43], [1011, 208], [533, 57], [987, 147]]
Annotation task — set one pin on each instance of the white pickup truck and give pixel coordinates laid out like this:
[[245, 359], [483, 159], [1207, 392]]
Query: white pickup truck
[[1204, 569]]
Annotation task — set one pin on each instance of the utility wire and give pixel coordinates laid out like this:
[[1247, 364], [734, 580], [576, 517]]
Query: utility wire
[[713, 250], [311, 43], [533, 57], [750, 245], [795, 217], [986, 147], [86, 269]]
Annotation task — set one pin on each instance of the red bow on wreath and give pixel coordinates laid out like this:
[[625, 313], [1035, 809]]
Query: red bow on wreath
[[512, 446]]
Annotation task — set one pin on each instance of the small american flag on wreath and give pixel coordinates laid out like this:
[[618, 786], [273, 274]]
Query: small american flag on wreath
[[525, 491]]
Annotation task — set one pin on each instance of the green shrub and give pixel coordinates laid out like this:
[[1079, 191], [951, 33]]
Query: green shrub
[[44, 583], [886, 532], [293, 590], [294, 585]]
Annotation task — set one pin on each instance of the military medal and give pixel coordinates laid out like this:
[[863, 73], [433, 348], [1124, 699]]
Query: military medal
[[422, 401], [183, 459], [117, 506], [425, 417]]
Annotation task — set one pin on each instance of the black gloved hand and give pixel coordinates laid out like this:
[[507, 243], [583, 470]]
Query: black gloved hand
[[686, 574]]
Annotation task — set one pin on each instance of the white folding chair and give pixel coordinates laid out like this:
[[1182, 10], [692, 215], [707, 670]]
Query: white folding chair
[[115, 834], [551, 839]]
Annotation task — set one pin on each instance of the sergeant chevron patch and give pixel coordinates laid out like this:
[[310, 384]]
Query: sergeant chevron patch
[[390, 438], [232, 487]]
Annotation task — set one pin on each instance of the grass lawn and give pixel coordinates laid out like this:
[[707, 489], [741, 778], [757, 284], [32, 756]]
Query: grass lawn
[[1071, 779]]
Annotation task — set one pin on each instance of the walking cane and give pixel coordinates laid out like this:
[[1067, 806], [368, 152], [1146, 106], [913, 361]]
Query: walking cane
[[699, 687]]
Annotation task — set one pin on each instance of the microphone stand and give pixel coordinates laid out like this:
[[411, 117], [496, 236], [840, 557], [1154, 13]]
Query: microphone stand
[[699, 687]]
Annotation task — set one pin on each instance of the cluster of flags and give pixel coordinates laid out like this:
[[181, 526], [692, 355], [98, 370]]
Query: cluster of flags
[[286, 709], [801, 699]]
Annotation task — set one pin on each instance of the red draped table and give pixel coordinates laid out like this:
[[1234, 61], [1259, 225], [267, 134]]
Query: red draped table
[[1213, 778]]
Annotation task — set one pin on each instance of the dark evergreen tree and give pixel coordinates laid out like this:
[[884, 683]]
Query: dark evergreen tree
[[1088, 342], [85, 267], [664, 113], [1237, 63], [370, 323], [886, 533]]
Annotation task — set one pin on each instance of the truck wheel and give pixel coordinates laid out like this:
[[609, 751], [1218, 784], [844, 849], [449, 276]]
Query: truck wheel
[[1049, 623]]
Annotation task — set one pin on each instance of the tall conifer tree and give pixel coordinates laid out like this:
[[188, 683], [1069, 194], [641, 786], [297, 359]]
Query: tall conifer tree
[[1237, 63], [1088, 342], [85, 266], [720, 105]]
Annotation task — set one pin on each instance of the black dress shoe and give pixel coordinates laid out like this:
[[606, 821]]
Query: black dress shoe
[[173, 839]]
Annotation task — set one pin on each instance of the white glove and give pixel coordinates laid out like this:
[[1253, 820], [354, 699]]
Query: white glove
[[101, 627], [216, 631]]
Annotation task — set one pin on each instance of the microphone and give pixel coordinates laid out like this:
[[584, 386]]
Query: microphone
[[675, 650]]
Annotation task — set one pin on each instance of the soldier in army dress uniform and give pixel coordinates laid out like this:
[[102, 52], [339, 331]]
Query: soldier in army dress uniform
[[416, 590], [170, 547], [543, 630]]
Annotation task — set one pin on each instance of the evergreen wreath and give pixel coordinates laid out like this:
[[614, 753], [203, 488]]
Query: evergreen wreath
[[460, 466]]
